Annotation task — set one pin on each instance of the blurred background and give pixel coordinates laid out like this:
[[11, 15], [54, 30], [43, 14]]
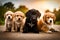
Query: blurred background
[[24, 5]]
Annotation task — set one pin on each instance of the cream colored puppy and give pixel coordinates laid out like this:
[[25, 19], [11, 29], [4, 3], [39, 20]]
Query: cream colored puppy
[[19, 21], [9, 20]]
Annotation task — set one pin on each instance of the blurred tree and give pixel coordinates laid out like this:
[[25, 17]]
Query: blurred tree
[[9, 6], [57, 13], [2, 11], [0, 3], [22, 8], [54, 10]]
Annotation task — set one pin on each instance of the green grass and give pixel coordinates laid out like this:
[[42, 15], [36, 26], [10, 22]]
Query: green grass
[[57, 22], [1, 22]]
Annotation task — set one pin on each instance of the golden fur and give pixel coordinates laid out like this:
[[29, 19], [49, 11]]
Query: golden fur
[[19, 20], [44, 24]]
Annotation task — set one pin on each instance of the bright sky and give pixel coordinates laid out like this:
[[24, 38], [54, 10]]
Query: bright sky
[[40, 5]]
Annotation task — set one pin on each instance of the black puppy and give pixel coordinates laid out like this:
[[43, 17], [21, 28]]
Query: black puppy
[[31, 21]]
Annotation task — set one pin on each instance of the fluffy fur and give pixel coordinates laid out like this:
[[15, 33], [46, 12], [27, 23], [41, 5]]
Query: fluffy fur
[[19, 21], [46, 23], [31, 21], [9, 20]]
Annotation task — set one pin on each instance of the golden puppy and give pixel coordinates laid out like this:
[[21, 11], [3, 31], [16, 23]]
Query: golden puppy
[[46, 23], [9, 20], [19, 21]]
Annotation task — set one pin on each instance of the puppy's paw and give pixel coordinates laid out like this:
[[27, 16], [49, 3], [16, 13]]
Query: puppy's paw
[[13, 30], [21, 31], [48, 31], [6, 31], [57, 30]]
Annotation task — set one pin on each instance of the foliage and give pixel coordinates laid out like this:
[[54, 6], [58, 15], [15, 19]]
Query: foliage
[[2, 10], [57, 13], [9, 5], [57, 22], [22, 8]]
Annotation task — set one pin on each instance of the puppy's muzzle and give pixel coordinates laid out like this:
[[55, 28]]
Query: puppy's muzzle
[[18, 18], [50, 21], [34, 17], [8, 17]]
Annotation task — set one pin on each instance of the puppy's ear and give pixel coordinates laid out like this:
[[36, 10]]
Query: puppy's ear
[[44, 17], [28, 13], [24, 16], [38, 14]]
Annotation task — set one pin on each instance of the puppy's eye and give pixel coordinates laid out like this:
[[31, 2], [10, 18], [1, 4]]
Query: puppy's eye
[[7, 14], [11, 14], [52, 17], [17, 15], [21, 16], [47, 17]]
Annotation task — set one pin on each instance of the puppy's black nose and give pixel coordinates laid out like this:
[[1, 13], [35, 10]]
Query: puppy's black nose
[[50, 21], [9, 17], [19, 19]]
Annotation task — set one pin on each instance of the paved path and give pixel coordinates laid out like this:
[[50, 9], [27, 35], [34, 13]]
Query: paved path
[[29, 36]]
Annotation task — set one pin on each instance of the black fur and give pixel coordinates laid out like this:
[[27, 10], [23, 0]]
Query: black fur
[[31, 21]]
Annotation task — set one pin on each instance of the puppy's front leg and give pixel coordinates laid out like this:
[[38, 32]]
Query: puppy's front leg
[[46, 29], [54, 30], [21, 28], [12, 29], [6, 25], [16, 28]]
